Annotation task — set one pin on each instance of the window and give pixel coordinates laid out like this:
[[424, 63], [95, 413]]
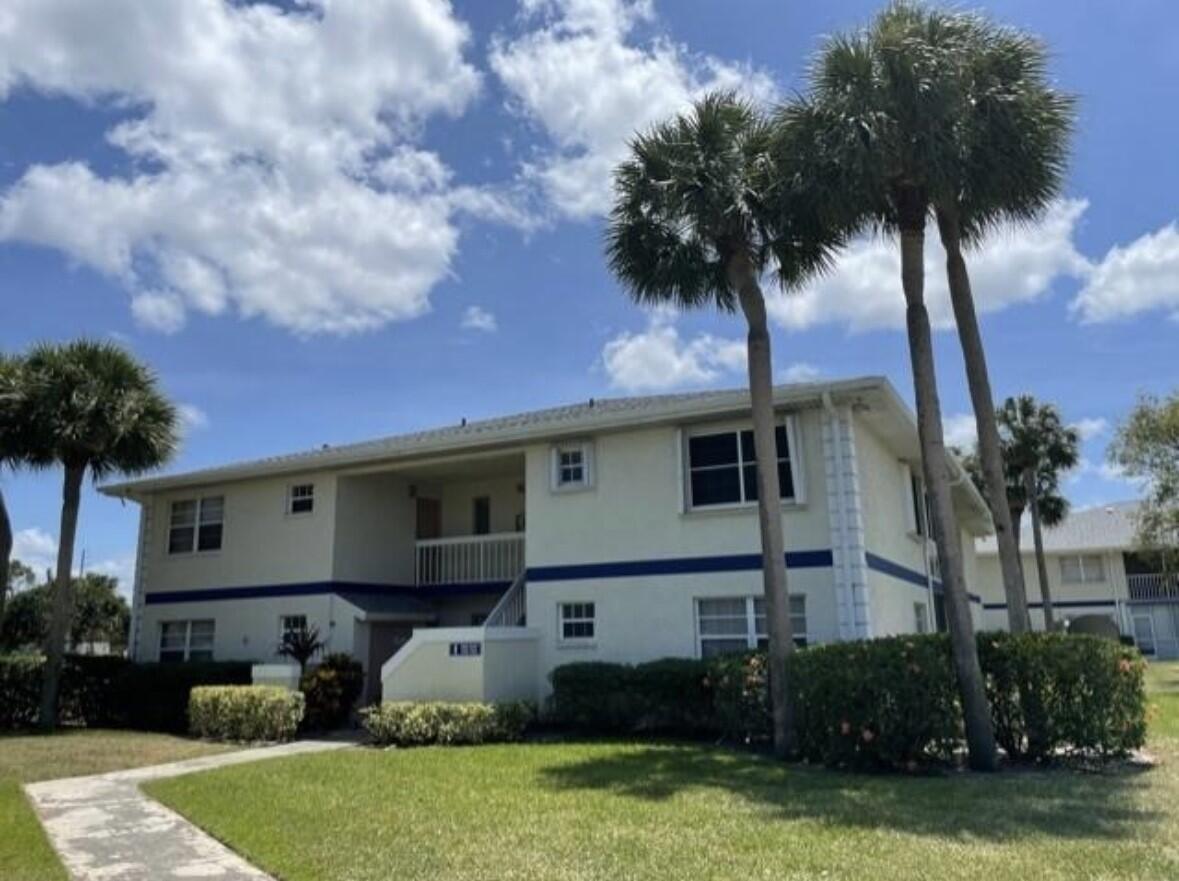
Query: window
[[572, 466], [481, 515], [196, 524], [301, 498], [920, 618], [186, 641], [722, 467], [577, 621], [920, 505], [291, 624], [738, 624], [1082, 569]]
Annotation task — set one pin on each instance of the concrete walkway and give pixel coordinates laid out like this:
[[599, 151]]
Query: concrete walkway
[[104, 828]]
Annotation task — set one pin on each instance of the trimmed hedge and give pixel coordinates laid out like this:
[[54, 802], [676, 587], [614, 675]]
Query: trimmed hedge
[[244, 712], [409, 723], [109, 691], [884, 703], [331, 690]]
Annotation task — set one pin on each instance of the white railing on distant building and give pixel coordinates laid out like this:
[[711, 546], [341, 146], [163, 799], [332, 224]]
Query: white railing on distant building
[[470, 559], [1155, 586]]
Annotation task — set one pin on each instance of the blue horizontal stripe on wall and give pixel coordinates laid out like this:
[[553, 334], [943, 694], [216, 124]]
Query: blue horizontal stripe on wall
[[1060, 604], [912, 576], [817, 559], [318, 588]]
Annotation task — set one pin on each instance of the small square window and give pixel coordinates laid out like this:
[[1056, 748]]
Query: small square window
[[291, 624], [301, 498], [577, 621], [572, 466]]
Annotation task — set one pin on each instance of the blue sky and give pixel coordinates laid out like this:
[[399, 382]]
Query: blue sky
[[323, 223]]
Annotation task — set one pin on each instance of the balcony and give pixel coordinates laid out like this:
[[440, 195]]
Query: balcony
[[469, 559], [1155, 587]]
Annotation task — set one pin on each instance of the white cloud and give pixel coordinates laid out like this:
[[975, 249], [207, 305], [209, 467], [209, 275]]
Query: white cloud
[[960, 430], [1012, 266], [37, 549], [1106, 471], [1140, 277], [590, 82], [658, 359], [274, 168], [800, 372], [476, 318], [1091, 427], [192, 418]]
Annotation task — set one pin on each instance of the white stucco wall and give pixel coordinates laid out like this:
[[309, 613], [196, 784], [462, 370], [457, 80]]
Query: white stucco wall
[[1100, 594], [374, 530]]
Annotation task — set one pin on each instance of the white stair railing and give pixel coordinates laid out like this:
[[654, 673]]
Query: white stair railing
[[510, 610], [469, 559]]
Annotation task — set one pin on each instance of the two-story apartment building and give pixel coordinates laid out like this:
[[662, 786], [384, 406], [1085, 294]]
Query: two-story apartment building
[[469, 561]]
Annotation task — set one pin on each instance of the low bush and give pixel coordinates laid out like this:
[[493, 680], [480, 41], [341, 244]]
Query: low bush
[[331, 691], [1064, 693], [408, 723], [672, 695], [740, 697], [154, 697], [244, 712], [594, 696], [20, 690]]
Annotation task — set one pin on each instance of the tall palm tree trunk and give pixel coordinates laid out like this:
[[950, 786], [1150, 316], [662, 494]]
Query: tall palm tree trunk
[[5, 553], [1029, 485], [989, 454], [769, 504], [63, 599], [980, 735]]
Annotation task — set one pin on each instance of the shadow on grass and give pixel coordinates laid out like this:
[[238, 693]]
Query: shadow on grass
[[1005, 807]]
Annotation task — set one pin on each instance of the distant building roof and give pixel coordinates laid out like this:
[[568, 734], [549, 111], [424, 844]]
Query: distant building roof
[[1104, 527]]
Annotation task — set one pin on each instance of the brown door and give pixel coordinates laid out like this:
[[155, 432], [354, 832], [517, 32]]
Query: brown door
[[429, 519], [384, 641]]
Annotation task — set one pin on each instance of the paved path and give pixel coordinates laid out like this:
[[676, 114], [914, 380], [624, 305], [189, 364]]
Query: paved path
[[105, 829]]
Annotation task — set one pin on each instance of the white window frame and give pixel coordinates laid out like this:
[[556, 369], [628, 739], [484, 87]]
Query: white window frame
[[586, 449], [284, 624], [292, 498], [921, 617], [188, 641], [753, 634], [591, 619], [1096, 576], [199, 504], [787, 421], [917, 520]]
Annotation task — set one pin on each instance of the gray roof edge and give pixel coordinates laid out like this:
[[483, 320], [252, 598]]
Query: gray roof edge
[[471, 438]]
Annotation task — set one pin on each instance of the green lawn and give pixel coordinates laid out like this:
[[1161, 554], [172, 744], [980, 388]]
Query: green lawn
[[25, 853], [636, 811]]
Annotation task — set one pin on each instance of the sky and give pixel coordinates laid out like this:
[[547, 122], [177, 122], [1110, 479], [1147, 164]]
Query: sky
[[322, 222]]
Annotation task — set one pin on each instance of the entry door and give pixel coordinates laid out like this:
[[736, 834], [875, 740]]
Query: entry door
[[1144, 633], [429, 519]]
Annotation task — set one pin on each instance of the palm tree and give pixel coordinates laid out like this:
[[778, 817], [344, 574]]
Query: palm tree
[[89, 407], [1040, 447], [883, 102], [702, 212], [1004, 161], [15, 451]]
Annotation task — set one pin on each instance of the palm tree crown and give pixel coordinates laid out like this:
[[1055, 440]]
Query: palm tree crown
[[90, 405], [1036, 438]]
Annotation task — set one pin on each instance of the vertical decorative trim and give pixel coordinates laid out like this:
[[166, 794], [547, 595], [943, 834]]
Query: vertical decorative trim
[[846, 518], [137, 591]]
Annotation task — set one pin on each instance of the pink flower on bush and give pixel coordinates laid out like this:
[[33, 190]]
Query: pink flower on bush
[[1124, 665], [868, 735], [845, 727]]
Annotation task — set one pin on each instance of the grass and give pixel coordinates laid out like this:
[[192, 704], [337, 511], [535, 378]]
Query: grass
[[637, 811], [25, 853]]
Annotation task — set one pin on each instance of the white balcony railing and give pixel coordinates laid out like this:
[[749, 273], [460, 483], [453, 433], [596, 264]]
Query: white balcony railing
[[470, 559], [1155, 586]]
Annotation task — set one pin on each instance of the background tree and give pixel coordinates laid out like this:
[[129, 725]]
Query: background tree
[[882, 105], [701, 214], [25, 620], [89, 407], [1147, 446], [1003, 161], [14, 452], [1039, 447], [101, 614], [1054, 507]]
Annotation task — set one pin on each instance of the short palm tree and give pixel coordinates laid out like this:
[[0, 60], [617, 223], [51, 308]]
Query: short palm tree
[[88, 407], [1005, 162], [1039, 448], [701, 214], [882, 106]]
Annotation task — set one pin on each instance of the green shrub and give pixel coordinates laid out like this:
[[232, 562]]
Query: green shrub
[[20, 690], [740, 697], [86, 696], [673, 695], [244, 712], [331, 690], [882, 703], [595, 696], [154, 697], [408, 723], [1064, 693]]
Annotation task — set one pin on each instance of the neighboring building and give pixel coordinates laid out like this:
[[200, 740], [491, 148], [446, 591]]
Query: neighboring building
[[1092, 570], [620, 530]]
